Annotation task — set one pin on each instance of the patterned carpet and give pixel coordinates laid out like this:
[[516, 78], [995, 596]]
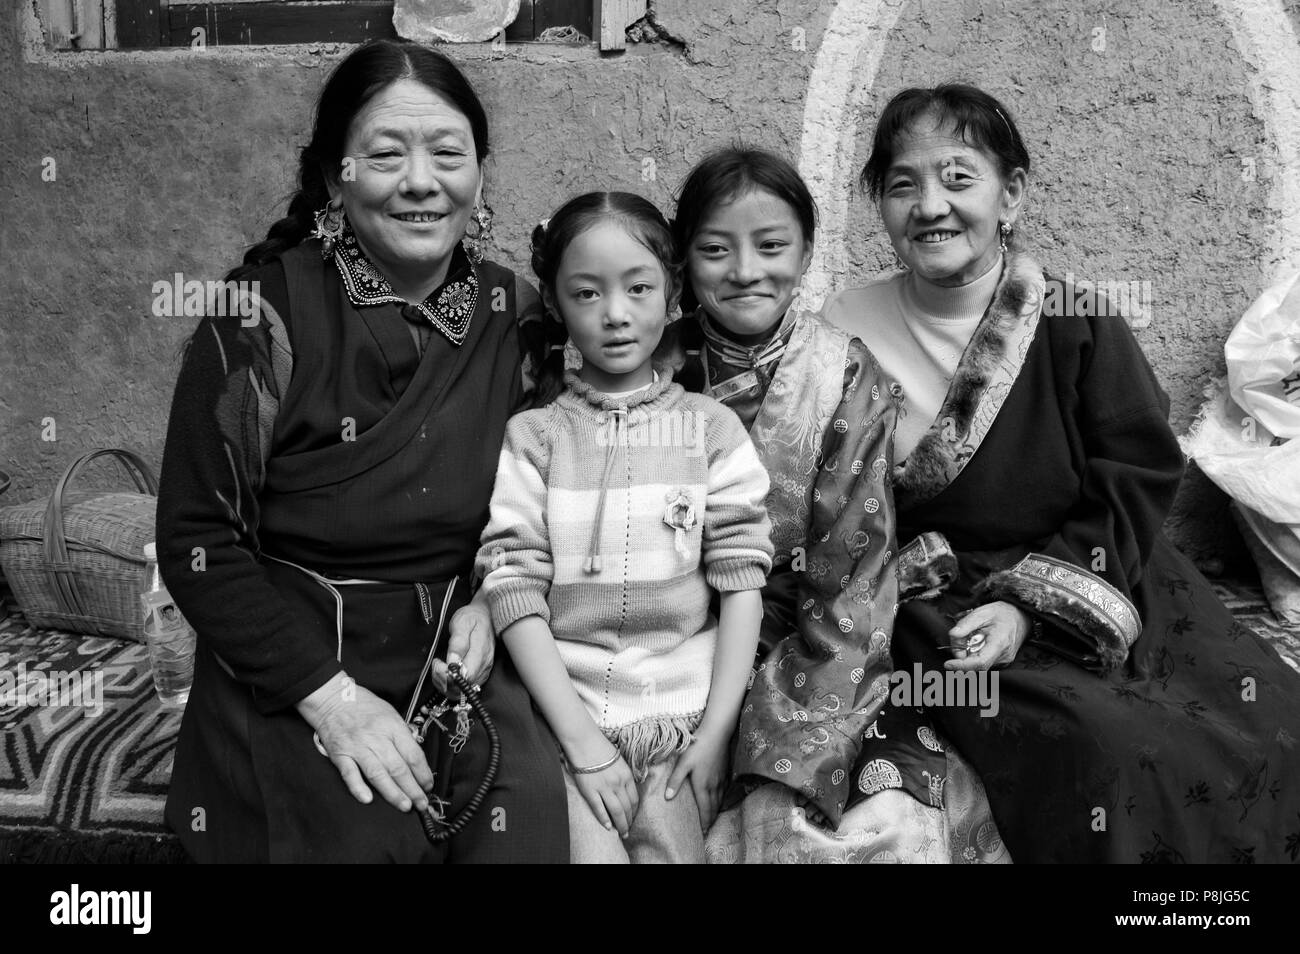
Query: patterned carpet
[[1248, 606], [75, 786], [81, 789]]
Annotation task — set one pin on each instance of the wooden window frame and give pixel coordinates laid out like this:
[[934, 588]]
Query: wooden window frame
[[75, 24], [153, 24]]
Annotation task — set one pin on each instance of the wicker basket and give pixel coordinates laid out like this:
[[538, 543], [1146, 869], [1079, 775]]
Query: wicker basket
[[75, 562]]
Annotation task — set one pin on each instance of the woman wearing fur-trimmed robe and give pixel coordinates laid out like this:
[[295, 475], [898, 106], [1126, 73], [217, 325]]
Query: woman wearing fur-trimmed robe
[[1136, 721]]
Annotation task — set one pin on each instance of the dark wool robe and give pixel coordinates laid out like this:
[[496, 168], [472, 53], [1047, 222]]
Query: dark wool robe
[[1143, 724], [323, 436]]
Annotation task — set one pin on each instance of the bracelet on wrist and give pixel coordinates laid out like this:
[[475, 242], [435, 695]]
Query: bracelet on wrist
[[593, 769]]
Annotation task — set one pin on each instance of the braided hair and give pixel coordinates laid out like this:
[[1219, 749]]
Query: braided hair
[[366, 71]]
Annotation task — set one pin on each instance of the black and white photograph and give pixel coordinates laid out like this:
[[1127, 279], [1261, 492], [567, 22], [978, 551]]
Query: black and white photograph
[[651, 432]]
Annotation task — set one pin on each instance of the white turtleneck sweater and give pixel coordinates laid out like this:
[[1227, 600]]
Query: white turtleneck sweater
[[918, 332]]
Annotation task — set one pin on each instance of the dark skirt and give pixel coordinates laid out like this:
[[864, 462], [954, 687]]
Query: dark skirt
[[1187, 753], [249, 786]]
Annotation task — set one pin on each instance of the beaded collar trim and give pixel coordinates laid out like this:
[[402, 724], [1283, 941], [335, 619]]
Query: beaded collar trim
[[739, 355], [449, 309]]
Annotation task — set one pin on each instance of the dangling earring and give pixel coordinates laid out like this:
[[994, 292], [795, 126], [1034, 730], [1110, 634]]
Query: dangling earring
[[1004, 233], [329, 226], [476, 243], [572, 356], [796, 294]]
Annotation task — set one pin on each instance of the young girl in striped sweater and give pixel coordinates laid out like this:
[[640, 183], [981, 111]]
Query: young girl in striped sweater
[[617, 509]]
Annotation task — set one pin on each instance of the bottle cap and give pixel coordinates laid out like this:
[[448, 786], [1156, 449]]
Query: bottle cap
[[151, 551]]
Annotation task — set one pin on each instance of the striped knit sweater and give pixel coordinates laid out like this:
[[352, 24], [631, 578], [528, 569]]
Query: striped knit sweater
[[611, 519]]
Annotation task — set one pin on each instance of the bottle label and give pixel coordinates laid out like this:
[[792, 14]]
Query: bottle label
[[161, 614]]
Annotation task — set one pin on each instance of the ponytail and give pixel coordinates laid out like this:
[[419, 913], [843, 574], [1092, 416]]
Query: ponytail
[[550, 361], [285, 234]]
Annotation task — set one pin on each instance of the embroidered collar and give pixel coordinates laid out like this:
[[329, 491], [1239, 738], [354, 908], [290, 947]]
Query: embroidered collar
[[727, 351], [449, 308]]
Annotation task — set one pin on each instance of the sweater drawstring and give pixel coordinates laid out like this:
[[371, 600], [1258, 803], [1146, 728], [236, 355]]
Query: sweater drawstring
[[617, 418]]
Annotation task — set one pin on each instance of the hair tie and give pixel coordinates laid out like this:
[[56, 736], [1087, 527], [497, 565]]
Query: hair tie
[[543, 224]]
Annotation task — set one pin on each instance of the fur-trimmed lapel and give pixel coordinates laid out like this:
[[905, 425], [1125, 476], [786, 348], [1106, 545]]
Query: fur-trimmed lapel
[[988, 368]]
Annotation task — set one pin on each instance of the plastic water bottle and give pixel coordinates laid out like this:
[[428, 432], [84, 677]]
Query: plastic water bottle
[[170, 639]]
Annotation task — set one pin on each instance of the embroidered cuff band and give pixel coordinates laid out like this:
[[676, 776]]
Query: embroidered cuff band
[[1084, 601], [925, 567]]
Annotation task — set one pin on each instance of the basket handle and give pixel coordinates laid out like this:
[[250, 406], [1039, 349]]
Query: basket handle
[[63, 582], [4, 481]]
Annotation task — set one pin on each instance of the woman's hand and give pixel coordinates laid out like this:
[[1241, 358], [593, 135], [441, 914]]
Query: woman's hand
[[611, 793], [1005, 629], [472, 643], [705, 764], [367, 740]]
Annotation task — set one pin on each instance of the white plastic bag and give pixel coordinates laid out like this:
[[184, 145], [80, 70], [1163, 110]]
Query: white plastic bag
[[1263, 355], [1247, 438], [1234, 451], [437, 21]]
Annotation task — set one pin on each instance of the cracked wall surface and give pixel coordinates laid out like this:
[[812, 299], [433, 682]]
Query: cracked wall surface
[[175, 161]]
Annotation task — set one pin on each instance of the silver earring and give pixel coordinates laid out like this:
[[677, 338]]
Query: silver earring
[[572, 356], [329, 226], [796, 296], [476, 243], [1004, 233]]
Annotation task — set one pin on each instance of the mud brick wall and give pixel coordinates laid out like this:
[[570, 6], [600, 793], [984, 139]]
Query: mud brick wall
[[1165, 140]]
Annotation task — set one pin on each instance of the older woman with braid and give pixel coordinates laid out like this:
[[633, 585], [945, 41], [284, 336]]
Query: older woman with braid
[[333, 462]]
